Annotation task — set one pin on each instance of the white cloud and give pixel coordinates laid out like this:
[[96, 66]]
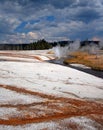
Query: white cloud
[[72, 19], [32, 35]]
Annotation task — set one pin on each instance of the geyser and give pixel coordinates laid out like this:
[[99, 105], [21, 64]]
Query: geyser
[[62, 52]]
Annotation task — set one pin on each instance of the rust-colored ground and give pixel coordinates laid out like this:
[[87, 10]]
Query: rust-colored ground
[[20, 56], [53, 108]]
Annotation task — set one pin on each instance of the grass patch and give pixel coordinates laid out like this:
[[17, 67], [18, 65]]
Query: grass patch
[[90, 60]]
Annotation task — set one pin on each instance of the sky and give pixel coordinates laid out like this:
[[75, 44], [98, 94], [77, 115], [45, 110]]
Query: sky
[[25, 21]]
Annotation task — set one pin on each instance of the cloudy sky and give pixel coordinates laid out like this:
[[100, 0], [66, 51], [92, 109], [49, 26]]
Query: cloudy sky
[[30, 20]]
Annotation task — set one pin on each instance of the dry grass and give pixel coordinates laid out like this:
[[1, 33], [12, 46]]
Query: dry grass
[[90, 60]]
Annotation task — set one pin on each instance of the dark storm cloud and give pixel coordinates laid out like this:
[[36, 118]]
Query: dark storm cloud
[[40, 3], [50, 19], [87, 15]]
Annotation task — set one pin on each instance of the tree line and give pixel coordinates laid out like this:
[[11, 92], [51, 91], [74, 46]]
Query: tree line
[[38, 45], [43, 44]]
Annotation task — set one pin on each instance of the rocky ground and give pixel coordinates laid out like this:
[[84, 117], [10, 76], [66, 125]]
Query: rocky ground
[[38, 95]]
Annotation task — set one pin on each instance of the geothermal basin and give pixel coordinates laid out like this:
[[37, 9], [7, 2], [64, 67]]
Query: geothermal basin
[[36, 94]]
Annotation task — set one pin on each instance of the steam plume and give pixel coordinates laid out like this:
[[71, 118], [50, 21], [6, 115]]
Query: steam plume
[[61, 52]]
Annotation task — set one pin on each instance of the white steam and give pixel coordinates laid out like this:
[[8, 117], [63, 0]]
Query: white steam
[[91, 49], [62, 52], [101, 44], [74, 46]]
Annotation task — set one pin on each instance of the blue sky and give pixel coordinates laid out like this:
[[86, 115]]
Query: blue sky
[[24, 21]]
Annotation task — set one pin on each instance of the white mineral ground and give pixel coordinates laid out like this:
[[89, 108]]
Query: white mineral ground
[[38, 95]]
